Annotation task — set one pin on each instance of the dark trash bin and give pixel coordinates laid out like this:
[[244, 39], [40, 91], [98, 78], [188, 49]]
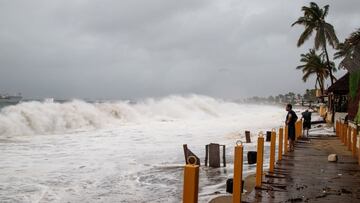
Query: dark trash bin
[[251, 155], [230, 183], [268, 136], [247, 136]]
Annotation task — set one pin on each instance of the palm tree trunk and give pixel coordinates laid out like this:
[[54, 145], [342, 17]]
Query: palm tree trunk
[[328, 64], [321, 85]]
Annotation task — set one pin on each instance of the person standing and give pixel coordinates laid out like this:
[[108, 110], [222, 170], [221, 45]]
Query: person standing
[[306, 115], [291, 119]]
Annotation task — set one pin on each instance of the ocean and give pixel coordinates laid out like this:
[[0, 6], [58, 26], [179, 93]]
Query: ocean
[[121, 151]]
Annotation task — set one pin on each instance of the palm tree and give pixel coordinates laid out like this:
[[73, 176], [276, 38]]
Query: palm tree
[[350, 51], [314, 64], [314, 20]]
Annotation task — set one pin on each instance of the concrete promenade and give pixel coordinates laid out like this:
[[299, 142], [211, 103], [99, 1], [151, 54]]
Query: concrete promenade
[[305, 175]]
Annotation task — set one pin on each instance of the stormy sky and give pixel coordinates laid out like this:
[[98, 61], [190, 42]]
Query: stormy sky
[[127, 49]]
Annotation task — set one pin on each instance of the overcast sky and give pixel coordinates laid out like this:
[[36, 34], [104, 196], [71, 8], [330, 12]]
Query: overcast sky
[[121, 49]]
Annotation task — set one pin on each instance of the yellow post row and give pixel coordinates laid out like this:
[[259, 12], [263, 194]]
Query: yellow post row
[[238, 171], [191, 184], [286, 140], [272, 151], [280, 148], [259, 161], [354, 141]]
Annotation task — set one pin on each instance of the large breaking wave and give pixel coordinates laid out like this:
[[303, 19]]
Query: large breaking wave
[[34, 117]]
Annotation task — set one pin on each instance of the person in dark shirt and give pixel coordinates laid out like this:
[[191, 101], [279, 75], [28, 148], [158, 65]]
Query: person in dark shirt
[[291, 119], [306, 115]]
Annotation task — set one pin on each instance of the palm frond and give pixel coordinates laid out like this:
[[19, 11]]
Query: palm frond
[[304, 36], [349, 50], [325, 11], [300, 67], [343, 50], [306, 76], [300, 21], [330, 35], [314, 20], [320, 39]]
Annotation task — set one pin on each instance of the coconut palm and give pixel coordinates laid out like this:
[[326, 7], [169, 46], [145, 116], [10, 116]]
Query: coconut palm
[[314, 21], [350, 51], [314, 64]]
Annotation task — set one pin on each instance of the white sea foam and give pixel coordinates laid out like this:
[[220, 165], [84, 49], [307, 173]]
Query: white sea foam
[[117, 151], [31, 118]]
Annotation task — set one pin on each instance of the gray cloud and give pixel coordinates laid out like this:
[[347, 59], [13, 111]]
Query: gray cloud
[[135, 49]]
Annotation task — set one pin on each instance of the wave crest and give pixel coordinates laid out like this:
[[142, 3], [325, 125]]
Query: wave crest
[[34, 117]]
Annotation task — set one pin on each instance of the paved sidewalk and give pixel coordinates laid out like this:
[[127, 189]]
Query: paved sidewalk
[[306, 176]]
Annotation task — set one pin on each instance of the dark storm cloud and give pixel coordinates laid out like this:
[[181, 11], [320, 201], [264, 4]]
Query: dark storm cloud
[[132, 49]]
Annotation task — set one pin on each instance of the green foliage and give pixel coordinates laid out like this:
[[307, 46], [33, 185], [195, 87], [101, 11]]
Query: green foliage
[[315, 64], [357, 117], [313, 20], [347, 48], [354, 83]]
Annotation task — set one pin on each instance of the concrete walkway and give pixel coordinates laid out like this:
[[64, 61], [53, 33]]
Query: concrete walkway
[[306, 175]]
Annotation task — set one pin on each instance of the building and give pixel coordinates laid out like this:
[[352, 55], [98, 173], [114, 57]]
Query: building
[[338, 99]]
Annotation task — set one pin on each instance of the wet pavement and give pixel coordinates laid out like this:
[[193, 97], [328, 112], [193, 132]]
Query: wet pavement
[[306, 175]]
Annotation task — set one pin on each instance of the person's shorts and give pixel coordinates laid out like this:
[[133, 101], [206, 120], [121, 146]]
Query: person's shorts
[[307, 124], [291, 132]]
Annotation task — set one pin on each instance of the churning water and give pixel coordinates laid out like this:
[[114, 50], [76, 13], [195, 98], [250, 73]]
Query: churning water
[[120, 151]]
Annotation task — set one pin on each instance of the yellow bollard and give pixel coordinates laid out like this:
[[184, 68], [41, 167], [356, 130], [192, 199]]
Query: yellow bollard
[[296, 130], [238, 171], [322, 110], [259, 160], [349, 138], [191, 181], [272, 151], [354, 141], [340, 130], [336, 128], [345, 134], [280, 148], [301, 128], [286, 141], [358, 149]]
